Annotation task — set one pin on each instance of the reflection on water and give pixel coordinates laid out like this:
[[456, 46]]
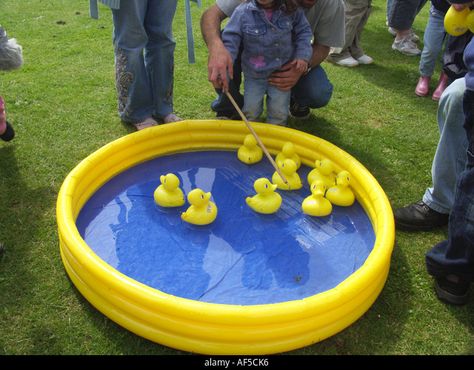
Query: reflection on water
[[243, 257]]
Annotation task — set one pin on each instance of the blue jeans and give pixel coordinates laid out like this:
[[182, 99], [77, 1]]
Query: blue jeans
[[255, 89], [144, 58], [455, 256], [450, 157], [313, 90], [433, 41], [402, 13]]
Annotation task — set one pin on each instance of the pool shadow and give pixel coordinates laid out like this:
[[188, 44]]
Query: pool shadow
[[120, 340], [26, 256], [379, 329]]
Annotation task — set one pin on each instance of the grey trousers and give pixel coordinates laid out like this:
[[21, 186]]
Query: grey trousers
[[356, 15]]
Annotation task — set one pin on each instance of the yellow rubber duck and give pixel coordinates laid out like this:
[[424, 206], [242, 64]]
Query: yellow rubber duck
[[250, 152], [455, 21], [266, 201], [202, 211], [315, 204], [323, 170], [288, 168], [168, 194], [470, 21], [288, 152], [341, 193]]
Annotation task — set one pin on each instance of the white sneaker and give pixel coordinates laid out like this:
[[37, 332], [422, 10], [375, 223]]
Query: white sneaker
[[406, 46], [346, 62], [413, 36], [365, 59]]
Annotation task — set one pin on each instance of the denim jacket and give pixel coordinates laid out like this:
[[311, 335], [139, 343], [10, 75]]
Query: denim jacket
[[94, 11], [267, 45]]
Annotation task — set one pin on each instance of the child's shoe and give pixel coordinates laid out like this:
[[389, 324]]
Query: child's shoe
[[6, 130], [442, 84], [423, 86]]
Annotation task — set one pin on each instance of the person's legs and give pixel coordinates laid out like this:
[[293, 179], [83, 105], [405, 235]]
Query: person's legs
[[352, 16], [449, 161], [450, 157], [432, 42], [361, 11], [6, 130], [159, 54], [313, 90], [401, 18], [277, 105], [254, 92], [135, 98], [403, 12], [451, 262]]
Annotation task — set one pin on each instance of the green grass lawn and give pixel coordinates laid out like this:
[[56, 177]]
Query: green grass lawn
[[62, 104]]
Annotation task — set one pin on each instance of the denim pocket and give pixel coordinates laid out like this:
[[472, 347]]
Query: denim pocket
[[254, 30], [285, 24]]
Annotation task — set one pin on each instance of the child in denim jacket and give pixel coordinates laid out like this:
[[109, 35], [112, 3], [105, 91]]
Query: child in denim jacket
[[271, 33]]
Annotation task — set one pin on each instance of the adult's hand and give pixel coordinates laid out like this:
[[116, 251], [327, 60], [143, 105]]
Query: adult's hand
[[286, 77], [219, 66], [219, 61]]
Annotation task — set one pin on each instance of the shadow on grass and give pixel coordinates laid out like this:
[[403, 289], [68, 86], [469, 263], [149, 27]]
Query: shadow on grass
[[120, 339], [23, 211]]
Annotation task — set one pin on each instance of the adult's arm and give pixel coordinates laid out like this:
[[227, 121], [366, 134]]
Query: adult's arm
[[287, 77], [219, 60]]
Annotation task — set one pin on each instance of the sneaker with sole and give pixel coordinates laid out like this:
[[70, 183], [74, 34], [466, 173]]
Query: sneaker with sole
[[406, 46], [346, 62], [365, 59], [413, 36], [418, 217], [453, 290], [299, 111]]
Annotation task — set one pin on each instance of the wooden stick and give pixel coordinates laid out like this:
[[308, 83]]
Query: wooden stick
[[249, 126]]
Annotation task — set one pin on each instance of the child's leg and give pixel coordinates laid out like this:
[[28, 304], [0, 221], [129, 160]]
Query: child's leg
[[3, 118], [432, 42], [254, 91], [6, 130], [277, 105]]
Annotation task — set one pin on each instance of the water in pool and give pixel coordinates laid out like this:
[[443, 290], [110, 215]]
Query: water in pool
[[242, 258]]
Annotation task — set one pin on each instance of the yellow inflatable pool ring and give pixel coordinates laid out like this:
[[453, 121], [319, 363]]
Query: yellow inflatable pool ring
[[208, 328]]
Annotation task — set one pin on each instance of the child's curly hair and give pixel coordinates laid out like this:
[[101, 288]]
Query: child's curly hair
[[288, 6]]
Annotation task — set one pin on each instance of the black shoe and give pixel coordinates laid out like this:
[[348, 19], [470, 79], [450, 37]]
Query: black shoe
[[9, 133], [228, 115], [299, 111], [452, 292], [418, 216]]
